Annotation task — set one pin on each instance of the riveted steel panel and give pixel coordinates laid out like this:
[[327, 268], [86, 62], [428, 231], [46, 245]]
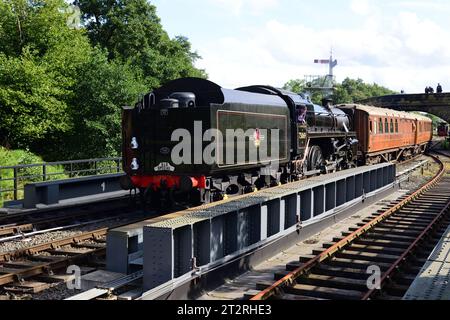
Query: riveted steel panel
[[202, 242], [380, 178], [158, 256], [183, 250], [350, 189], [274, 217], [330, 191], [292, 210], [366, 182], [306, 205], [217, 238], [433, 281], [359, 185], [319, 200], [341, 189]]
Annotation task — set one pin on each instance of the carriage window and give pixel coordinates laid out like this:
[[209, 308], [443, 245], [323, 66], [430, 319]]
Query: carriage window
[[375, 127], [381, 125], [370, 127], [386, 125], [396, 125], [392, 126]]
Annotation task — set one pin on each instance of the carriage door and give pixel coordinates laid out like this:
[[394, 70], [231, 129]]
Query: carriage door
[[415, 130]]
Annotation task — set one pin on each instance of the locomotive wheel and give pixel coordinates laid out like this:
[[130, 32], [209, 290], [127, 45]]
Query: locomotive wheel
[[315, 159]]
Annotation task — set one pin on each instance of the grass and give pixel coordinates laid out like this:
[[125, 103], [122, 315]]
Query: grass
[[26, 175], [446, 145]]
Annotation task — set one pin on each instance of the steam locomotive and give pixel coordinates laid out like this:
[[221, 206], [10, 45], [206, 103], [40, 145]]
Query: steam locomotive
[[194, 141]]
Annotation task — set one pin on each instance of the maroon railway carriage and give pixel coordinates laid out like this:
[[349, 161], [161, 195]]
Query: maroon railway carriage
[[386, 135]]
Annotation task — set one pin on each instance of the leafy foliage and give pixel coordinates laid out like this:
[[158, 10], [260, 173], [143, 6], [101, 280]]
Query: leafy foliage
[[131, 31], [349, 91], [18, 157], [62, 88]]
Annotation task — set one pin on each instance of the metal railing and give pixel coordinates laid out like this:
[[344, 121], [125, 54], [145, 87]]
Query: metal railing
[[13, 178]]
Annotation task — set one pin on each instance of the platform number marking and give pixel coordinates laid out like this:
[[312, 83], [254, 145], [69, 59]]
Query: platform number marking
[[103, 185]]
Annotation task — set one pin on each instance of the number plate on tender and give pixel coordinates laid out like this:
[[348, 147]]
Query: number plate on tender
[[164, 166]]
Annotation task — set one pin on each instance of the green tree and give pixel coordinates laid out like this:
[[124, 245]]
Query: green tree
[[351, 90], [131, 31], [61, 88], [56, 90], [32, 102], [39, 57], [96, 108], [300, 86]]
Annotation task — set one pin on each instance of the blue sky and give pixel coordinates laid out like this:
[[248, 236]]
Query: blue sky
[[402, 44]]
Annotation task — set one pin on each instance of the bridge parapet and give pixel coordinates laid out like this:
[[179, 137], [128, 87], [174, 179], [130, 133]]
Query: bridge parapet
[[437, 104]]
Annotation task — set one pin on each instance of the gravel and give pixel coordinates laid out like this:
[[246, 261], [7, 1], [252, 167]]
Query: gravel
[[56, 235], [59, 292]]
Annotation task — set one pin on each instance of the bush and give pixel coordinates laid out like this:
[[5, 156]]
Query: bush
[[26, 175]]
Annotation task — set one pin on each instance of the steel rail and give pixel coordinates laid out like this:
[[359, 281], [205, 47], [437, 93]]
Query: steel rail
[[48, 266], [95, 235], [290, 278], [388, 274]]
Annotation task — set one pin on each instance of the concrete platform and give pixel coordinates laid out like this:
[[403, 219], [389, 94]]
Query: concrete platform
[[433, 281]]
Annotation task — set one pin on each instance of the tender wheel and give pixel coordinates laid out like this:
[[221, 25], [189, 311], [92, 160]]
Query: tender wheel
[[315, 159]]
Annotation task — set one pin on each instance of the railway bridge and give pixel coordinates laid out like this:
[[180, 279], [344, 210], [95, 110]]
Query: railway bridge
[[437, 104]]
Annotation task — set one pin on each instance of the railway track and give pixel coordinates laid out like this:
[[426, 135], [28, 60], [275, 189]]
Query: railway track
[[23, 270], [33, 269], [377, 259]]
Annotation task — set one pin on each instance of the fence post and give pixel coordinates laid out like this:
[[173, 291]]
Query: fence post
[[15, 183], [44, 172], [118, 165]]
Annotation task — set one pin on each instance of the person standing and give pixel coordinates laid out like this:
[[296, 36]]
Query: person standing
[[439, 88]]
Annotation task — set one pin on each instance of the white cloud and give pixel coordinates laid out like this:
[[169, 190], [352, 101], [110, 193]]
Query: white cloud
[[254, 7], [361, 7], [422, 5], [403, 51]]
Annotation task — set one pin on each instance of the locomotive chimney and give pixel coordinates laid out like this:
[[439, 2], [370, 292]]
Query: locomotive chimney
[[327, 103]]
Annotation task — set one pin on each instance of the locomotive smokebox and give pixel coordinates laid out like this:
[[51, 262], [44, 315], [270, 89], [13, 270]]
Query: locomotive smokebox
[[186, 99]]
